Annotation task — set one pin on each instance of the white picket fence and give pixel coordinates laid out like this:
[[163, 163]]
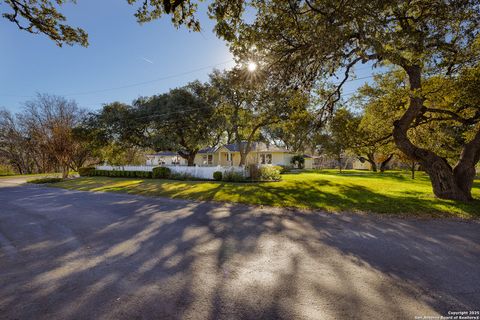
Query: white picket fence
[[197, 172], [125, 168]]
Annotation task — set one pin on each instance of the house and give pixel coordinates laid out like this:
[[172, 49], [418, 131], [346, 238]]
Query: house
[[165, 158], [229, 155]]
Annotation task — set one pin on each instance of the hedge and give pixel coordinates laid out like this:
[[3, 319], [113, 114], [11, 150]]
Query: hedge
[[86, 171], [217, 175], [121, 174], [161, 173]]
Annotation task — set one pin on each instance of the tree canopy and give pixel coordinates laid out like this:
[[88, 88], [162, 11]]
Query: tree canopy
[[304, 43]]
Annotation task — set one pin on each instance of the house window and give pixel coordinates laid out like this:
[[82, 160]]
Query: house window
[[208, 159], [229, 156], [176, 160], [266, 158]]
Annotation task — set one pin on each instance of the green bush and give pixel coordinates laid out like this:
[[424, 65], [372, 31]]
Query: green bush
[[161, 173], [86, 171], [270, 173], [283, 169], [181, 176], [298, 160], [217, 175], [6, 170], [121, 173], [233, 176], [45, 180]]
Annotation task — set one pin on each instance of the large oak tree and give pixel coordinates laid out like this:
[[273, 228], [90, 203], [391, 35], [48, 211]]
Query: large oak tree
[[304, 41]]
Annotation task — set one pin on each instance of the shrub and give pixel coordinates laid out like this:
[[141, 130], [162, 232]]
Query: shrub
[[233, 176], [161, 173], [6, 170], [217, 175], [86, 171], [182, 176], [283, 169], [298, 160], [121, 173], [45, 180], [270, 173]]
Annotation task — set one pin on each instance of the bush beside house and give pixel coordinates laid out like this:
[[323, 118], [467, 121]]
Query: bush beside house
[[270, 173], [298, 161], [265, 173]]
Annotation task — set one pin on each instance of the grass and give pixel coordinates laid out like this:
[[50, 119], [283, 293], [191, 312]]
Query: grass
[[353, 191], [33, 175]]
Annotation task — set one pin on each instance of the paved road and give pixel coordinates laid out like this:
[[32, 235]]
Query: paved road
[[81, 255]]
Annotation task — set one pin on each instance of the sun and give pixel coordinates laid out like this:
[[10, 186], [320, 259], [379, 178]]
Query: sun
[[252, 66]]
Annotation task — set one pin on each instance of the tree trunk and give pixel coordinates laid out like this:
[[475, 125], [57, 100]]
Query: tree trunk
[[243, 152], [447, 183], [189, 156], [65, 171], [339, 159], [383, 164], [191, 160], [371, 159], [413, 170], [243, 158]]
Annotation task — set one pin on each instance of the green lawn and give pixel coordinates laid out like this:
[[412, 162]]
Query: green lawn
[[353, 191]]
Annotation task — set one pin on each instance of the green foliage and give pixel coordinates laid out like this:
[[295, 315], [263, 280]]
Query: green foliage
[[217, 175], [233, 176], [42, 16], [122, 174], [265, 173], [184, 119], [45, 180], [249, 105], [182, 12], [184, 176], [423, 38], [283, 169], [269, 173], [298, 131], [86, 171], [298, 160], [161, 173], [339, 135], [6, 170]]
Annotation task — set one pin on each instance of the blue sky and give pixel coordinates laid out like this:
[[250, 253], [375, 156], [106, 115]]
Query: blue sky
[[122, 53]]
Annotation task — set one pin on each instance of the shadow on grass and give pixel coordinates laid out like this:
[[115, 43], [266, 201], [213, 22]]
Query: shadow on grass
[[317, 193]]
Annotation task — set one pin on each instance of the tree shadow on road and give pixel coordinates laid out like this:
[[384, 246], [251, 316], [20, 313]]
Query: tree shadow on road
[[112, 256]]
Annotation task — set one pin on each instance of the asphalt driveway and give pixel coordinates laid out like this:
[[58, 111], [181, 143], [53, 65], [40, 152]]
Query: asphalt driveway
[[80, 255]]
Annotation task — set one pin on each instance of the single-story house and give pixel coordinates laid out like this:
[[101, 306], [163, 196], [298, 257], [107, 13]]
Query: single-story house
[[166, 158], [229, 155]]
